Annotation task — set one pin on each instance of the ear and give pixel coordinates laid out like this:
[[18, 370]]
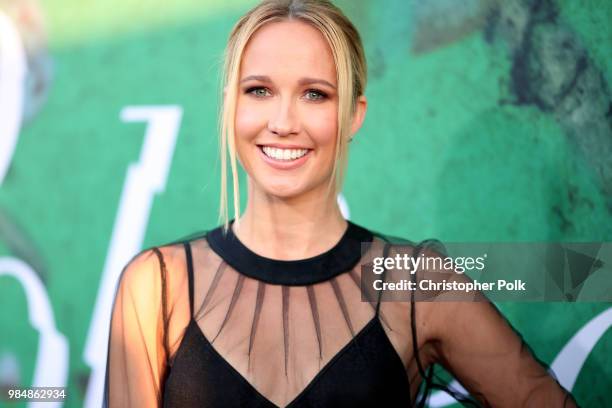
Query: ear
[[359, 116]]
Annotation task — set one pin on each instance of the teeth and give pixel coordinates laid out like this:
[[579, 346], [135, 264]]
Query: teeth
[[284, 154]]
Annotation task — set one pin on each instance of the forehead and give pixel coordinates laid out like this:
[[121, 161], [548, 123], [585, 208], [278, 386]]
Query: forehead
[[288, 49]]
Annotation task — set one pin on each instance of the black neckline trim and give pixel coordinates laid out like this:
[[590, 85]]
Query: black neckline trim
[[340, 258]]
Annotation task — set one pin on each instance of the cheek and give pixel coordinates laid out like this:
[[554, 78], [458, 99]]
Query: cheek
[[248, 121], [323, 128]]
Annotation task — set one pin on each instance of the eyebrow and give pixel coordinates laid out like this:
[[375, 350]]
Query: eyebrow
[[302, 81]]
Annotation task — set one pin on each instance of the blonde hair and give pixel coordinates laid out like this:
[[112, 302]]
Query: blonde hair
[[351, 71]]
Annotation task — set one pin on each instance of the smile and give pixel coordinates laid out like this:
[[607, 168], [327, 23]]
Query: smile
[[283, 154], [284, 158]]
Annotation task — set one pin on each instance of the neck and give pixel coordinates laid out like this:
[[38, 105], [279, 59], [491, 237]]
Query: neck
[[288, 229]]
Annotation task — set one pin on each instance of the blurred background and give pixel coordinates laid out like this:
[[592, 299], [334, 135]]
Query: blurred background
[[488, 120]]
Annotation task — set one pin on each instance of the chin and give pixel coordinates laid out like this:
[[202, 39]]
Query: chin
[[289, 187], [284, 191]]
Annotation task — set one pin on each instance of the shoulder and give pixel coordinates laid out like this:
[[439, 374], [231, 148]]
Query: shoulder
[[415, 270], [149, 260], [399, 241], [397, 255], [391, 239], [149, 268], [402, 245]]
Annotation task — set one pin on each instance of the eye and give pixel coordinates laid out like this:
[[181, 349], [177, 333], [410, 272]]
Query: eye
[[255, 91], [318, 95]]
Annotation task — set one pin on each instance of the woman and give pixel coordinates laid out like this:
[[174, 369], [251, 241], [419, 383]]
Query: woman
[[267, 310]]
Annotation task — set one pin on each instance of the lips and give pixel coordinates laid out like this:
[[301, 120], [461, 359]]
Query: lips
[[283, 146], [283, 154], [284, 157]]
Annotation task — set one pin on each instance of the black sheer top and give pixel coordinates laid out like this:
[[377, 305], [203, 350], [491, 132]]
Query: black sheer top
[[206, 322]]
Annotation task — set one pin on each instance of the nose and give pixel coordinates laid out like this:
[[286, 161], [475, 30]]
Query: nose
[[284, 120]]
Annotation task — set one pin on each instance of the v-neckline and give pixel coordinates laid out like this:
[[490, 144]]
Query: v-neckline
[[368, 326]]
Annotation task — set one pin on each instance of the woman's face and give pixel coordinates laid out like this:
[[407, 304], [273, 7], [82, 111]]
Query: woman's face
[[286, 118]]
